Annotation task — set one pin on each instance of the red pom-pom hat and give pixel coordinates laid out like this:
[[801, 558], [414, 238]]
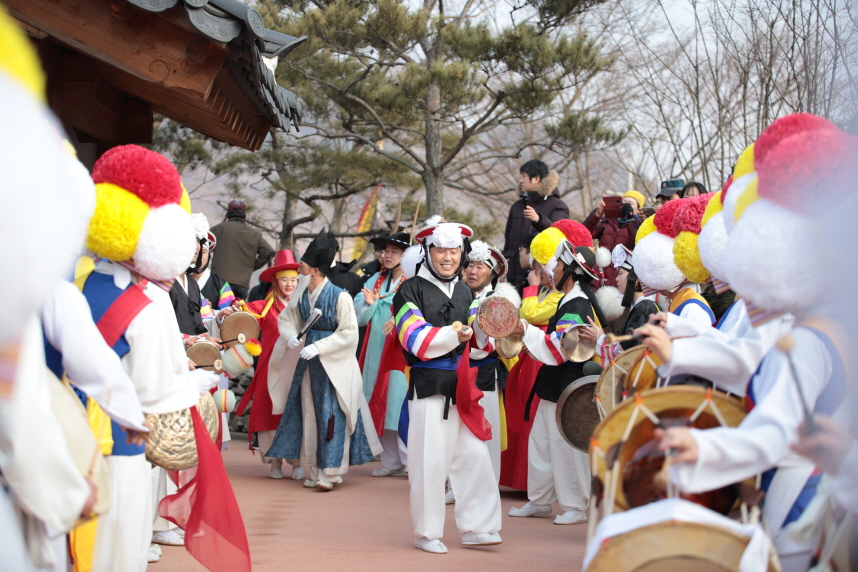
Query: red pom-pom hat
[[690, 214], [576, 233], [147, 174]]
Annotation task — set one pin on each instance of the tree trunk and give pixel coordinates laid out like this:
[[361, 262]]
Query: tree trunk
[[433, 176]]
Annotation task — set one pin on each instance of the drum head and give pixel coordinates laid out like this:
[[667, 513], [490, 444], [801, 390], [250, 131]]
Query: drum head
[[611, 386], [577, 413], [497, 316], [575, 348], [638, 460], [672, 546], [643, 374], [205, 355], [238, 323]]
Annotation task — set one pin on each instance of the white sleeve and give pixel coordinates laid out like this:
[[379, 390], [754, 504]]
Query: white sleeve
[[88, 361], [729, 364], [544, 348], [346, 333], [36, 463], [152, 367], [844, 484], [729, 455], [688, 323]]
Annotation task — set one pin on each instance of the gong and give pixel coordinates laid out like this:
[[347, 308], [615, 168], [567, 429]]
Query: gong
[[236, 326], [577, 413], [497, 316], [171, 443], [574, 347]]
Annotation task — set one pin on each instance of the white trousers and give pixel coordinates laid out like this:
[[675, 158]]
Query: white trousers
[[162, 487], [15, 554], [393, 454], [556, 471], [439, 448], [125, 532], [491, 405]]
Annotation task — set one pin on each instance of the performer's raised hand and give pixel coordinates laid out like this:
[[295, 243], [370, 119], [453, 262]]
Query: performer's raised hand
[[657, 339], [309, 352], [590, 331], [293, 342], [680, 441], [388, 326], [827, 446], [369, 296], [658, 319], [533, 277]]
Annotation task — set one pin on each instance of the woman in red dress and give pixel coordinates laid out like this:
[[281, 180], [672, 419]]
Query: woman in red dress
[[283, 275]]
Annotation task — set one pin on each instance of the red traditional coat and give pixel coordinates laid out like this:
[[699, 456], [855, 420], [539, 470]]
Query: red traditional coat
[[261, 418]]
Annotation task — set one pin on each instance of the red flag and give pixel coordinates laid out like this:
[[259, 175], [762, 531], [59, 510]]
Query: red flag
[[392, 359], [468, 397], [205, 507]]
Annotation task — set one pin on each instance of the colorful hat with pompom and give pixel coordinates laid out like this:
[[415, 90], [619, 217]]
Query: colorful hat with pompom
[[712, 242], [544, 245], [139, 218], [687, 225], [576, 233], [774, 253], [654, 263]]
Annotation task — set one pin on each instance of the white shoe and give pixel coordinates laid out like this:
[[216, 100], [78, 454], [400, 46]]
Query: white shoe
[[325, 485], [571, 517], [449, 498], [434, 546], [168, 538], [531, 509], [276, 472], [180, 532], [156, 549], [337, 480], [297, 473], [483, 539], [308, 484], [153, 556], [385, 472]]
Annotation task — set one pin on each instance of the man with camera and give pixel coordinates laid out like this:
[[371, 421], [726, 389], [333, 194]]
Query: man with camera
[[539, 205], [616, 221]]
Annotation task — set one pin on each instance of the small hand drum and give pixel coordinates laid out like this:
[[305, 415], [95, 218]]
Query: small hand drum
[[577, 414], [643, 374], [574, 347], [206, 355], [611, 387], [497, 316], [236, 326]]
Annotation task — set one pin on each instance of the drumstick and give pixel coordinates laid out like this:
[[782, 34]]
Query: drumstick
[[458, 326], [241, 338], [614, 338], [786, 344]]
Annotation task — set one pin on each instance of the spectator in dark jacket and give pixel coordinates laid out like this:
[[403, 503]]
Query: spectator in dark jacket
[[528, 217], [613, 231], [240, 249]]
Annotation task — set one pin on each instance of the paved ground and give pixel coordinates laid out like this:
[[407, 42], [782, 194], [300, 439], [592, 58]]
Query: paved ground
[[364, 524]]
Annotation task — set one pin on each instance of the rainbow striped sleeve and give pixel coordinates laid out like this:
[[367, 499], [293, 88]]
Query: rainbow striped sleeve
[[206, 312], [472, 311], [415, 334], [226, 296]]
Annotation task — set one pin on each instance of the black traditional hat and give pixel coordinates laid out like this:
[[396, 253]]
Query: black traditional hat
[[321, 252], [400, 239], [380, 241]]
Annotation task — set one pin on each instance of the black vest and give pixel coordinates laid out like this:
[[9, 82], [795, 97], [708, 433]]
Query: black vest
[[187, 307]]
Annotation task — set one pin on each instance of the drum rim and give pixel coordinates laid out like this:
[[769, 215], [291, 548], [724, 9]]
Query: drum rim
[[731, 408], [628, 544], [603, 377], [561, 401], [248, 318]]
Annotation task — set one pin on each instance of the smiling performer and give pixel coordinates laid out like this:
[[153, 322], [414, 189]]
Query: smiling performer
[[486, 266], [283, 276], [323, 409], [447, 425], [373, 307], [558, 472]]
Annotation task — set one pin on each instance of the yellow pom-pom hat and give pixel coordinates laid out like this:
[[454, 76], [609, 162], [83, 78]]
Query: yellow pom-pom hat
[[138, 216]]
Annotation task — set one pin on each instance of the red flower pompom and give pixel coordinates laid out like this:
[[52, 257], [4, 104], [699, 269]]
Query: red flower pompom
[[786, 127], [575, 232], [689, 215], [147, 174], [810, 171], [663, 218]]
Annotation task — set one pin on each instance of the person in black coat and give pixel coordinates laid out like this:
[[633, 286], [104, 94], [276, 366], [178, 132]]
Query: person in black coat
[[533, 214]]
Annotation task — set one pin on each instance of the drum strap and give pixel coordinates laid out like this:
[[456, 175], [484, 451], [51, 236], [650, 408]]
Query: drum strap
[[121, 313]]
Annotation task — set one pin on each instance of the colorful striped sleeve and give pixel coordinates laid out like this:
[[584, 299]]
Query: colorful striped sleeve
[[206, 312], [226, 296], [546, 347], [420, 338]]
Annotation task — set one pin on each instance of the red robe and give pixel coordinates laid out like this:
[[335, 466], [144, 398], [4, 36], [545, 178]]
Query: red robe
[[518, 387], [261, 417]]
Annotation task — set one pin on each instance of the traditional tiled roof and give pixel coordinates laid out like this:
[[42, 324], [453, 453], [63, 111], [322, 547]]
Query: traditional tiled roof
[[250, 45]]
